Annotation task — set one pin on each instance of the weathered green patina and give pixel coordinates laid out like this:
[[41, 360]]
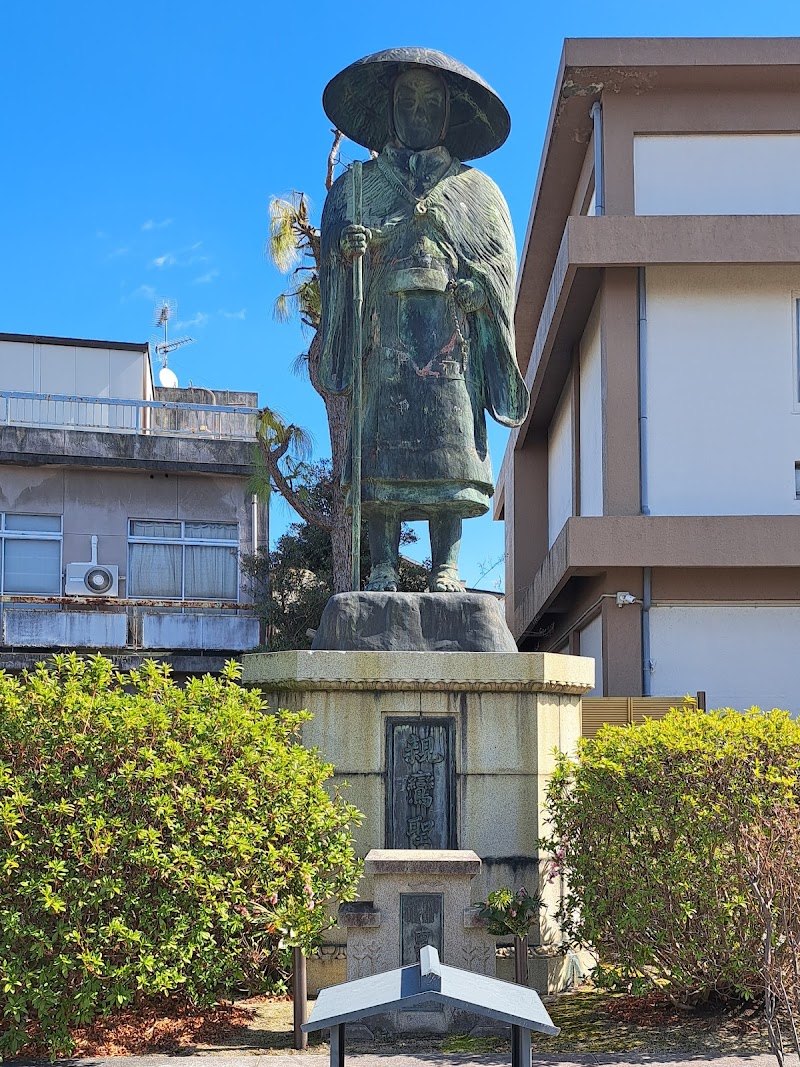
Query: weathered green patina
[[436, 328]]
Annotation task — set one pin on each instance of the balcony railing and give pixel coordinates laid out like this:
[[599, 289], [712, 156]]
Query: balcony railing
[[113, 415]]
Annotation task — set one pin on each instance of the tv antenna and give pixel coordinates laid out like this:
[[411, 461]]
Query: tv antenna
[[165, 310]]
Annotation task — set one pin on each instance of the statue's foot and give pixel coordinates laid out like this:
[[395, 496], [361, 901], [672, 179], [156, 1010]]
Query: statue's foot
[[383, 579], [445, 580]]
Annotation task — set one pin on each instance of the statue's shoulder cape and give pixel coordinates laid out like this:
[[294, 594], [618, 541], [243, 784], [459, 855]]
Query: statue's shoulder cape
[[473, 219]]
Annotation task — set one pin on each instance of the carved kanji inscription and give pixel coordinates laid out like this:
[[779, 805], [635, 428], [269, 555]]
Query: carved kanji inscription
[[420, 784]]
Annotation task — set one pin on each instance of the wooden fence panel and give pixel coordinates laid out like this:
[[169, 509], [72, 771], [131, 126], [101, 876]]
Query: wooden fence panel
[[621, 711]]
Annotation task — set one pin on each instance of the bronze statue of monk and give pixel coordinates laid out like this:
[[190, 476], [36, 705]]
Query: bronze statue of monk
[[439, 266]]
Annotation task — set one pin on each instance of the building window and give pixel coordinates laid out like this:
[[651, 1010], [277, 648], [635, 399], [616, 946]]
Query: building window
[[30, 554], [797, 480], [183, 560]]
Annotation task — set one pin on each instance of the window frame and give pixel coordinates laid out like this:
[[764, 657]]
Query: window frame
[[183, 541], [25, 535]]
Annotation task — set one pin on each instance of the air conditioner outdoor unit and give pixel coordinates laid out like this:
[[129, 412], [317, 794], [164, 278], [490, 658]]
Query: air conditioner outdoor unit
[[93, 578]]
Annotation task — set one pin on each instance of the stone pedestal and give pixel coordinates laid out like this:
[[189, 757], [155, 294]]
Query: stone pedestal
[[444, 750]]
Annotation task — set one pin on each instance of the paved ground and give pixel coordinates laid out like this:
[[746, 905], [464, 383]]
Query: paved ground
[[432, 1059]]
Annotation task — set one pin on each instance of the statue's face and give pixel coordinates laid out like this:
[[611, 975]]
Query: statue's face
[[419, 109]]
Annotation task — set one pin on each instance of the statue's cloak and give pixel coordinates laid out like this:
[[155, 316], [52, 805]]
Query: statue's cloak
[[465, 229]]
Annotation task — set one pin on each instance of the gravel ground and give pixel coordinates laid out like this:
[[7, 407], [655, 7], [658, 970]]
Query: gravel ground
[[591, 1023], [429, 1060], [596, 1028]]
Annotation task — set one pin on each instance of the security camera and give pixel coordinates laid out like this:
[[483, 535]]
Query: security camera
[[625, 598]]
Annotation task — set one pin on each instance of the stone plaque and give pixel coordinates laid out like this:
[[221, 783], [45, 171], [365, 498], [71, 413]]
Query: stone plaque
[[421, 917], [420, 784]]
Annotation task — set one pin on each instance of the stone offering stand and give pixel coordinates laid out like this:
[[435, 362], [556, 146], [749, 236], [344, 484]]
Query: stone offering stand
[[420, 897]]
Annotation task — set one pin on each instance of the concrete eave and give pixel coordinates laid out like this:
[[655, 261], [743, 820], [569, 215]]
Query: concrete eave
[[589, 244], [591, 67], [16, 660], [77, 342], [34, 446], [593, 545], [499, 499]]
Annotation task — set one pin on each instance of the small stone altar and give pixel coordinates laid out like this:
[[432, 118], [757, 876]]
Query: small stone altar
[[420, 897]]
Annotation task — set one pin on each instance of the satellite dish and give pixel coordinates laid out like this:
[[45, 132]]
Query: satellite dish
[[168, 378]]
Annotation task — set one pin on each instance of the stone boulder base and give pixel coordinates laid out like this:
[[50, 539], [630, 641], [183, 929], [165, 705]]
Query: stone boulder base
[[414, 622]]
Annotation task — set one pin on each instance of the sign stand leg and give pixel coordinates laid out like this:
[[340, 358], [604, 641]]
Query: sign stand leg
[[299, 997]]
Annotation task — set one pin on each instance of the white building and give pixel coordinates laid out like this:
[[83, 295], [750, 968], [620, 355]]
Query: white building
[[657, 321], [124, 510]]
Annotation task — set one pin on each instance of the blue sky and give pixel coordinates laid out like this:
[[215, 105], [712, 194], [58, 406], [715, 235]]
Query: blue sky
[[142, 143]]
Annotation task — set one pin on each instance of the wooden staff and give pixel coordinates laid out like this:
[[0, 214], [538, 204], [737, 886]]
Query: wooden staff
[[355, 213]]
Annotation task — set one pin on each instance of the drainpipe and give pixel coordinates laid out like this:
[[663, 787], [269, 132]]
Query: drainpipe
[[257, 543], [647, 598], [647, 572], [641, 284], [254, 522], [599, 176]]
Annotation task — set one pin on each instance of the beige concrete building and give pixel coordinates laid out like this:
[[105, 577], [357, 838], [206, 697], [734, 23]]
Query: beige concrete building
[[124, 510], [657, 324]]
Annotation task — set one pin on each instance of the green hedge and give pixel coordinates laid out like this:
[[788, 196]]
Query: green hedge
[[647, 827], [153, 840]]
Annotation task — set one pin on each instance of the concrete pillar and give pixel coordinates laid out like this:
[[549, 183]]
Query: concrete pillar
[[506, 713]]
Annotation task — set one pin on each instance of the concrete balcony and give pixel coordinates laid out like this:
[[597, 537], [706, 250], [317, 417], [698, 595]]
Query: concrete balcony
[[159, 435], [168, 630], [53, 624], [64, 629], [171, 418]]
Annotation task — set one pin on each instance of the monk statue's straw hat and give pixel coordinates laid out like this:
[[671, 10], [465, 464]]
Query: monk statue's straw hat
[[358, 101]]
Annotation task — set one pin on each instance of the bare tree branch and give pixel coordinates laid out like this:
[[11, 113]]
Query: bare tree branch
[[291, 225], [290, 495], [333, 157]]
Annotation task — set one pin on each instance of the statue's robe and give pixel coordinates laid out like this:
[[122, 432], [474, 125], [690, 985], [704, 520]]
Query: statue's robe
[[430, 368]]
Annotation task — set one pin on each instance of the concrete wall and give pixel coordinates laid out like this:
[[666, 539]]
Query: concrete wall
[[33, 367], [65, 629], [590, 643], [717, 174], [102, 502], [740, 654], [193, 631], [723, 419], [591, 417], [116, 629], [559, 465]]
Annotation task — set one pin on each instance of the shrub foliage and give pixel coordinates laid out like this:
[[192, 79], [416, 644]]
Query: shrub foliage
[[647, 825], [153, 839], [772, 847]]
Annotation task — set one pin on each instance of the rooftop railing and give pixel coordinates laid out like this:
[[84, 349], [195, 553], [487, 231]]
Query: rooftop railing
[[164, 418]]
